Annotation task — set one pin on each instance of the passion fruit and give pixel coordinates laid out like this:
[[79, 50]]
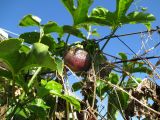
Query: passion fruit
[[77, 59]]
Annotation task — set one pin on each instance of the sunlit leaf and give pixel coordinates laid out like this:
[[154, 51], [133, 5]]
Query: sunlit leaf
[[60, 66], [102, 16], [30, 20], [55, 88], [138, 17], [122, 7], [52, 27], [39, 56], [75, 102], [80, 12], [40, 103]]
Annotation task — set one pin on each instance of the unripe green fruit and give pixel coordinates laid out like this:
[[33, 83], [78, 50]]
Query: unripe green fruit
[[77, 59]]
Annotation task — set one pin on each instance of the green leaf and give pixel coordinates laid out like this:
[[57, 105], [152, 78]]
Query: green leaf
[[39, 57], [30, 20], [77, 86], [33, 37], [101, 88], [24, 49], [49, 41], [69, 4], [52, 27], [141, 70], [112, 110], [30, 37], [79, 13], [59, 48], [36, 57], [138, 17], [60, 66], [95, 33], [117, 101], [123, 57], [113, 78], [54, 88], [132, 84], [5, 73], [21, 114], [37, 112], [10, 55], [74, 31], [40, 103], [122, 7], [101, 16], [72, 100]]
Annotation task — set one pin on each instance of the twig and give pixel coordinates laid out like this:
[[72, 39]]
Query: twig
[[108, 38], [136, 59], [112, 56], [154, 47], [34, 76], [94, 89], [126, 45], [128, 34]]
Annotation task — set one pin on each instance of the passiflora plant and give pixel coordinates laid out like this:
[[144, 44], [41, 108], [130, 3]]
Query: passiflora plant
[[34, 67]]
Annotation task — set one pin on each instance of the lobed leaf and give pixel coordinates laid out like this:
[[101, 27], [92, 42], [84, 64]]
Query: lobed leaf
[[138, 17], [79, 13], [122, 7]]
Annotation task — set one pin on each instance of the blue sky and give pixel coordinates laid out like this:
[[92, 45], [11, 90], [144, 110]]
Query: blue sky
[[11, 11]]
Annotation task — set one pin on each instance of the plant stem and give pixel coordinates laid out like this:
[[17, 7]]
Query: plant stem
[[94, 89], [34, 76], [128, 34], [41, 34], [67, 110], [136, 59], [67, 38]]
